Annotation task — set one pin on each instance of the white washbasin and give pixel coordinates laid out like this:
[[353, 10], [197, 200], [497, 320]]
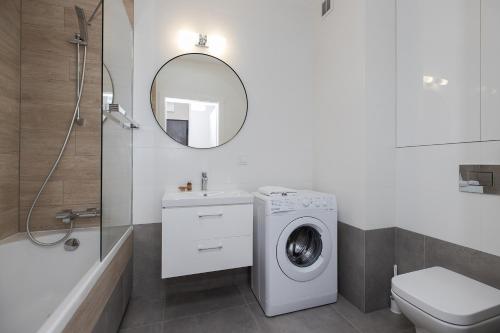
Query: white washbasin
[[206, 198]]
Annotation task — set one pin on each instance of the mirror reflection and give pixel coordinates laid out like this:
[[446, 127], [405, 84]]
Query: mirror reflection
[[107, 88], [199, 100]]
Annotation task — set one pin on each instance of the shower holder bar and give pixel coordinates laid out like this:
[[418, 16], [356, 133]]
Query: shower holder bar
[[116, 113]]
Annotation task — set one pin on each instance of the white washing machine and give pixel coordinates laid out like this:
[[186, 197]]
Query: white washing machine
[[295, 251]]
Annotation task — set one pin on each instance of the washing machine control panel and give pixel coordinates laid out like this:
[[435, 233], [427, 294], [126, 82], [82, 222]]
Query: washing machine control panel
[[301, 202]]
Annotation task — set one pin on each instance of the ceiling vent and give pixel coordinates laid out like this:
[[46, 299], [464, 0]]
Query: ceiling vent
[[326, 7]]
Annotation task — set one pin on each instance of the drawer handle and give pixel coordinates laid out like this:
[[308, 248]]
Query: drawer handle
[[201, 249], [210, 215]]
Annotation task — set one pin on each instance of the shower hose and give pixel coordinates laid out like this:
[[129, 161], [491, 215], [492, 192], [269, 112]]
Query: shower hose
[[54, 167]]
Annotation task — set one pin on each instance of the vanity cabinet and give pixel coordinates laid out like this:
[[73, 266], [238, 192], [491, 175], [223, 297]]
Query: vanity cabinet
[[206, 238]]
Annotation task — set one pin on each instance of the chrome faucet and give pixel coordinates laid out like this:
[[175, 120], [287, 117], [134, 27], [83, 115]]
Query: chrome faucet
[[66, 216], [204, 181]]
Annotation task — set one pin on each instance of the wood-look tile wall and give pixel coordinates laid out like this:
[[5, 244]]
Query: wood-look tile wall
[[48, 93], [10, 39]]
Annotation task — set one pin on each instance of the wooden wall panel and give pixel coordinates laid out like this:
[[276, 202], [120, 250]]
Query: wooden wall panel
[[48, 93], [10, 48]]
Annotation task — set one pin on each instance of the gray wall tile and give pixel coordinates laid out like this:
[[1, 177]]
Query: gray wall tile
[[409, 251], [351, 256], [416, 251], [147, 281], [475, 264], [147, 261], [379, 262]]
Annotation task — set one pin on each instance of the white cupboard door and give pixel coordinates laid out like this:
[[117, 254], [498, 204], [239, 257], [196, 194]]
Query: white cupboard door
[[185, 257], [438, 71], [490, 54], [208, 221]]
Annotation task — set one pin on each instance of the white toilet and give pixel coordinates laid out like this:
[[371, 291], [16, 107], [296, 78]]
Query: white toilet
[[438, 300]]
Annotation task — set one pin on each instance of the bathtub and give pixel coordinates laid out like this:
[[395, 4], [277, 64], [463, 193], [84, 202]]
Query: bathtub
[[41, 288]]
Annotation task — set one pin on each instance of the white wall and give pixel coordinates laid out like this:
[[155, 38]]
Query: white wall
[[354, 127], [380, 113], [118, 54], [270, 46], [490, 70], [376, 184], [428, 200], [346, 75]]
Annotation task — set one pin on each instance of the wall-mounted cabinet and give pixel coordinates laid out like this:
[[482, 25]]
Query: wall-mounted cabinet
[[448, 71], [206, 231], [490, 69]]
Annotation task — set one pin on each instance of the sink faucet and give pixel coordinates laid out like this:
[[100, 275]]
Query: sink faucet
[[204, 181]]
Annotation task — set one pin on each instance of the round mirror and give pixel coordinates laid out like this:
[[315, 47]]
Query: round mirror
[[107, 88], [199, 100]]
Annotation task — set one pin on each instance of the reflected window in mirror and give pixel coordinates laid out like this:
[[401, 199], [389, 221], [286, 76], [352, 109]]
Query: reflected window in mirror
[[199, 100], [201, 116]]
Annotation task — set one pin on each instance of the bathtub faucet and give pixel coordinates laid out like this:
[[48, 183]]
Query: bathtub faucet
[[69, 215]]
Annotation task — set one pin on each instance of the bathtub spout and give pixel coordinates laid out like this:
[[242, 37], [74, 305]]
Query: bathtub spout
[[66, 216]]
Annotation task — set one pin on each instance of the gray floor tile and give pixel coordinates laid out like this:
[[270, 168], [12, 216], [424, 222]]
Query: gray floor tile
[[147, 287], [374, 322], [194, 303], [316, 320], [234, 309], [237, 319], [247, 293], [142, 311], [155, 328], [182, 325]]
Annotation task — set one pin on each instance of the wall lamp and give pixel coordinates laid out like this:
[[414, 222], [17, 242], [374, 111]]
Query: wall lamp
[[188, 41]]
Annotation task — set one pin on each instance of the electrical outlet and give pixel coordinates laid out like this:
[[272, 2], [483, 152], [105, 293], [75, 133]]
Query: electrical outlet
[[242, 160]]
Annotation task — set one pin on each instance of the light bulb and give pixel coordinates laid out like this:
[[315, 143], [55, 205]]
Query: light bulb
[[186, 40]]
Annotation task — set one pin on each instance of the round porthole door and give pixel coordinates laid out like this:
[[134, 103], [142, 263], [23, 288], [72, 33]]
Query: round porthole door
[[304, 249]]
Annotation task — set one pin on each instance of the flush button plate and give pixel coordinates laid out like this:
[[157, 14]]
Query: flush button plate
[[481, 179]]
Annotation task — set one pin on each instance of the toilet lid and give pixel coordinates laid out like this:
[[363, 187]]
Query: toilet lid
[[448, 296]]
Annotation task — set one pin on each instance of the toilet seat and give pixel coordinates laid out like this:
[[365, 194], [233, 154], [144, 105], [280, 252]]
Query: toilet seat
[[426, 323], [448, 296]]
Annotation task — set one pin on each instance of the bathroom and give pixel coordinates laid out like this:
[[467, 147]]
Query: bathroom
[[163, 163]]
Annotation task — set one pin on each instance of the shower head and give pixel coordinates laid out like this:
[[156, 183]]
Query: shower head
[[82, 22]]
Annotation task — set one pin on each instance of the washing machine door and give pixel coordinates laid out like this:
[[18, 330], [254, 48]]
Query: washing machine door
[[304, 249]]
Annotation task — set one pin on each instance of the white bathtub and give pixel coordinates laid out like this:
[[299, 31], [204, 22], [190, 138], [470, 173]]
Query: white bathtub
[[41, 288]]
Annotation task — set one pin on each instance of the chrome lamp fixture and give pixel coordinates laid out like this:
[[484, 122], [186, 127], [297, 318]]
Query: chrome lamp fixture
[[202, 41]]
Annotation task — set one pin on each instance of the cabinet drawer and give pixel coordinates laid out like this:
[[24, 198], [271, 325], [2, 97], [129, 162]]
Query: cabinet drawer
[[180, 257], [205, 222]]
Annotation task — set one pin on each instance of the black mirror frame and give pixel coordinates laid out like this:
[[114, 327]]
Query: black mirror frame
[[225, 63]]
